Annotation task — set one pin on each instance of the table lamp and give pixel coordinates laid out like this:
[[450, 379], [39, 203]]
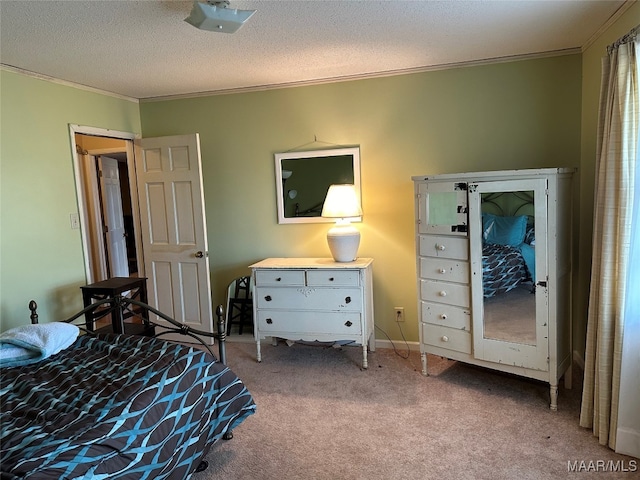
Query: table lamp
[[342, 203]]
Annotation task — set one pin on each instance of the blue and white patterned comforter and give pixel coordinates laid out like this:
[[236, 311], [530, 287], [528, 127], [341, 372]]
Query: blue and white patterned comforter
[[116, 406]]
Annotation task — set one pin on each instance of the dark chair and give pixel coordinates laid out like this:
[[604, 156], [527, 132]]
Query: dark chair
[[239, 304]]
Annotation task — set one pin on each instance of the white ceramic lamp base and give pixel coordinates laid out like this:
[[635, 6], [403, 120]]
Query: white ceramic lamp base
[[343, 240]]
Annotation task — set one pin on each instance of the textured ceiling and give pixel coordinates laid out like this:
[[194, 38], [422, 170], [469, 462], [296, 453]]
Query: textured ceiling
[[144, 49]]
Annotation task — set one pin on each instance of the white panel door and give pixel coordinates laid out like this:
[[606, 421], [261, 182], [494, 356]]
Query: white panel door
[[174, 234], [115, 234]]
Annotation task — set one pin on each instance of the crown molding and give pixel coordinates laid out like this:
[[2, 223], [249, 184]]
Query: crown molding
[[612, 19], [365, 76], [323, 81], [66, 83]]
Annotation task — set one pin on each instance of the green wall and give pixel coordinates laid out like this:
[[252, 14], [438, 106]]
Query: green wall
[[40, 255], [523, 114]]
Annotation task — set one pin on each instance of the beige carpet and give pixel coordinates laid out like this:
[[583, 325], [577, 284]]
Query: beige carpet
[[319, 416]]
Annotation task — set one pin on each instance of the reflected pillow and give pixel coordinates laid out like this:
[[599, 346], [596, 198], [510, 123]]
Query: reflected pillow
[[529, 255], [503, 230]]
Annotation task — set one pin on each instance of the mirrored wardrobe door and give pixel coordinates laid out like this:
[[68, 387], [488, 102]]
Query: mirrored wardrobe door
[[507, 234]]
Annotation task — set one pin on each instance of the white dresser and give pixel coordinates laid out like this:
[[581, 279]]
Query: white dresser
[[314, 299], [494, 271]]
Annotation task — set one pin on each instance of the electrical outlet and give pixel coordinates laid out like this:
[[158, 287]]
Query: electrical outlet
[[399, 312], [75, 221]]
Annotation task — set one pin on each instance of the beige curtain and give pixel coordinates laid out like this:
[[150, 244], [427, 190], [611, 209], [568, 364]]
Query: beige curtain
[[616, 164]]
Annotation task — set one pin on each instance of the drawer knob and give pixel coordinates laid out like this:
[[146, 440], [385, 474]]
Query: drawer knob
[[445, 338], [348, 323], [442, 270], [440, 247], [269, 321], [279, 279], [442, 293], [268, 298], [443, 316], [347, 299], [331, 279]]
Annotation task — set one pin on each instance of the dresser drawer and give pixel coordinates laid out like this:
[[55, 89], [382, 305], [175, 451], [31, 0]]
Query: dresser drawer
[[444, 247], [309, 298], [446, 315], [444, 337], [445, 292], [327, 278], [444, 269], [280, 277], [308, 323]]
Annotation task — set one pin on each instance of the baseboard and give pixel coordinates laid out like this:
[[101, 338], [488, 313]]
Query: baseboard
[[628, 442], [399, 345], [384, 343]]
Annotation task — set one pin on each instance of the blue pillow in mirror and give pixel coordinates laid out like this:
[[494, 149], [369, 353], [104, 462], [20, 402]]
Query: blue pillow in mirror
[[503, 230], [529, 255]]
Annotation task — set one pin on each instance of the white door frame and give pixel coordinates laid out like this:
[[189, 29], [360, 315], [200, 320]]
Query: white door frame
[[83, 208], [91, 196]]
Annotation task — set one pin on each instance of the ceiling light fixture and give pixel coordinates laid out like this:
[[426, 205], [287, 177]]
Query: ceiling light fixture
[[216, 16]]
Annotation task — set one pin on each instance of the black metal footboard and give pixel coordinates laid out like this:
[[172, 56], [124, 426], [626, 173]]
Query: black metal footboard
[[118, 304]]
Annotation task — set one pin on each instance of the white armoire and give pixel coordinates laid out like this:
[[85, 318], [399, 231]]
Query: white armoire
[[494, 271]]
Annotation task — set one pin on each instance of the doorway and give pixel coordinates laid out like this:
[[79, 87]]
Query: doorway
[[168, 170], [107, 205]]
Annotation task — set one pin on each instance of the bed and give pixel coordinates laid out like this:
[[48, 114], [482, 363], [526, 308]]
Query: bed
[[116, 406], [508, 252]]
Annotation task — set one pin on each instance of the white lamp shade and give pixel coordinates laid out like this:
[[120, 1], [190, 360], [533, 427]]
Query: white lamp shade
[[343, 239], [341, 202]]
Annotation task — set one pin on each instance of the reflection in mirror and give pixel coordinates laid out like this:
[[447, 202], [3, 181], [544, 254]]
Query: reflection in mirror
[[508, 266], [303, 179]]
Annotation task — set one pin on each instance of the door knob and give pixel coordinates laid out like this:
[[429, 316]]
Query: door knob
[[199, 254]]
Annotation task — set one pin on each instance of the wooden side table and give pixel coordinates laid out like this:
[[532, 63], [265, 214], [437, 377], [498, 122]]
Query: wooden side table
[[110, 288]]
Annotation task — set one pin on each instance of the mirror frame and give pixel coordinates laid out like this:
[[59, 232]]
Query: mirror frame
[[354, 152]]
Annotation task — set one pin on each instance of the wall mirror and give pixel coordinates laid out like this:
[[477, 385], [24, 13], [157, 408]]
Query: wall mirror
[[303, 178]]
